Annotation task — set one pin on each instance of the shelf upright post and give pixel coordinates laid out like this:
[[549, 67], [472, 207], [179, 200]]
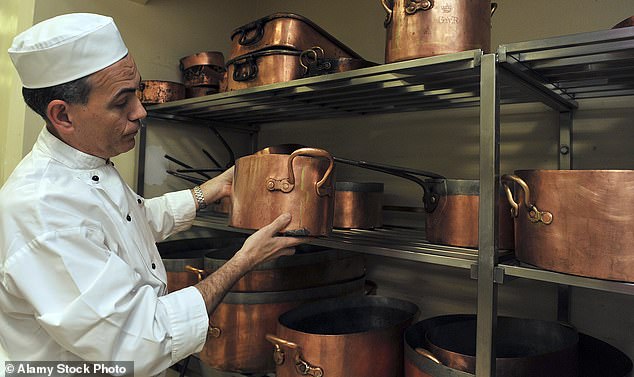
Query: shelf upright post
[[565, 162], [488, 216]]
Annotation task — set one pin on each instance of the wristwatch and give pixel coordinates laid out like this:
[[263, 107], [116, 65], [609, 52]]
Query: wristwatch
[[200, 198]]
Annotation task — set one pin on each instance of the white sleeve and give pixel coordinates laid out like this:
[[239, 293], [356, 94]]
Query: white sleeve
[[170, 213], [95, 305]]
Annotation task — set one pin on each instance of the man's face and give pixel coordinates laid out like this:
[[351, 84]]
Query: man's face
[[107, 124]]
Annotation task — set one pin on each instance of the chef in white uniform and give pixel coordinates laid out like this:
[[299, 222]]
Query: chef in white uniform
[[80, 274]]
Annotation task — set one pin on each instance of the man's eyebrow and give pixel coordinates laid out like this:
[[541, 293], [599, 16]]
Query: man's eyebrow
[[124, 91]]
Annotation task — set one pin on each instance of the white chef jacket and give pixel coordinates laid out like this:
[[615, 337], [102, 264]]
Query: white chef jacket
[[80, 274]]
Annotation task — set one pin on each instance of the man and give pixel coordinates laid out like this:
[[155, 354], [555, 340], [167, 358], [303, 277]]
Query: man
[[80, 275]]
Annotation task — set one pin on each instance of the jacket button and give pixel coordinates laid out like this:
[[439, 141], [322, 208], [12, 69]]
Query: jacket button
[[128, 218], [95, 178], [139, 201], [153, 266]]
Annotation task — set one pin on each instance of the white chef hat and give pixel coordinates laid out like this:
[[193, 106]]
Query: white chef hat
[[65, 48]]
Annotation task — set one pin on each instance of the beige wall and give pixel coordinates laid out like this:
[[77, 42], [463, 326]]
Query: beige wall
[[15, 16]]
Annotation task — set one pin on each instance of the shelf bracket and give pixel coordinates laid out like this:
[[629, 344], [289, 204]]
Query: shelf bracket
[[498, 274]]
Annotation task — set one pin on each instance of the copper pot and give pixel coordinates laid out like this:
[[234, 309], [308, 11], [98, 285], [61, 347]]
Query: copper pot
[[358, 205], [184, 259], [237, 328], [524, 347], [262, 68], [454, 220], [310, 266], [575, 221], [267, 185], [346, 337], [421, 28], [286, 31], [157, 91]]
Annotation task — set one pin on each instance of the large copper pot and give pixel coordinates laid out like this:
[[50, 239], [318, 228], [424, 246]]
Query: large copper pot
[[595, 357], [454, 220], [421, 28], [237, 328], [575, 221], [358, 205], [524, 347], [267, 185], [310, 266], [184, 259], [285, 31], [348, 337]]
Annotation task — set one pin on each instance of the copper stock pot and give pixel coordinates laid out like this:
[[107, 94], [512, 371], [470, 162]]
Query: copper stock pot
[[421, 28], [575, 221], [266, 184]]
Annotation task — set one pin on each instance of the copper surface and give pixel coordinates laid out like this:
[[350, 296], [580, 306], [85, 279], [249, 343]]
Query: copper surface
[[351, 349], [354, 209], [156, 91], [178, 276], [312, 269], [262, 190], [209, 58], [288, 31], [315, 63], [262, 68], [455, 222], [590, 230], [240, 344], [202, 75], [447, 26], [200, 91], [595, 357]]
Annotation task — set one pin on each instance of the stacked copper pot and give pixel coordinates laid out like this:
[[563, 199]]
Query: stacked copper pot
[[237, 328], [282, 47], [203, 73]]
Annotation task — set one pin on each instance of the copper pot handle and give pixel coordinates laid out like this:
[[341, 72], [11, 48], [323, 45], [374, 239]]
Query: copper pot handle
[[413, 6], [423, 352], [197, 271], [534, 214], [388, 16], [287, 184], [213, 331], [314, 57], [301, 366]]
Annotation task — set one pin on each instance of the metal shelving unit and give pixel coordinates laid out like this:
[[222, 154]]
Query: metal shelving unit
[[555, 71]]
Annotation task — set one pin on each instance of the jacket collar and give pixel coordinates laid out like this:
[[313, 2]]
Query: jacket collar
[[65, 154]]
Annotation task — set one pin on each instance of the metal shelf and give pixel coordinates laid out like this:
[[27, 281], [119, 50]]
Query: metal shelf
[[524, 271], [437, 82], [587, 65], [400, 243]]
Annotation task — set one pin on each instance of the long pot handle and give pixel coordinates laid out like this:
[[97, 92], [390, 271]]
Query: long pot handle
[[301, 366], [430, 200], [423, 352], [287, 184], [534, 214]]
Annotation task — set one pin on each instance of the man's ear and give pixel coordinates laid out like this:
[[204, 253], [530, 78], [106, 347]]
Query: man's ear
[[57, 112]]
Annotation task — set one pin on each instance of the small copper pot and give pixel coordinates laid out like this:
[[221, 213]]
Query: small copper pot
[[358, 205], [267, 185], [421, 28], [625, 23], [454, 220], [156, 91]]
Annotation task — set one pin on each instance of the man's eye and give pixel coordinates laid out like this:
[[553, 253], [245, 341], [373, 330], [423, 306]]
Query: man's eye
[[121, 104]]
